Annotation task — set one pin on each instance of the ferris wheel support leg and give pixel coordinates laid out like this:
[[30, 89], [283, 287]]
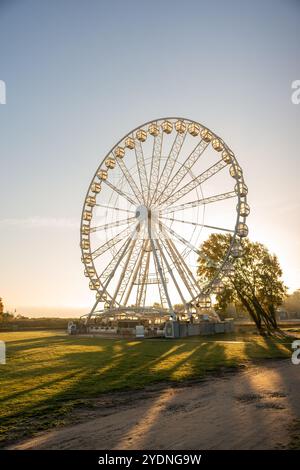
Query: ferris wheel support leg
[[161, 275], [91, 312], [172, 275]]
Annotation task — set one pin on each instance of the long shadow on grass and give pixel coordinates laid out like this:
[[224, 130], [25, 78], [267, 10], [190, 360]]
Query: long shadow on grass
[[15, 345], [119, 365], [264, 348], [44, 384], [131, 366]]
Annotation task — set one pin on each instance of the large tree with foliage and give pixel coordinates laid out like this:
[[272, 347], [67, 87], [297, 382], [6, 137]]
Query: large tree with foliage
[[256, 283]]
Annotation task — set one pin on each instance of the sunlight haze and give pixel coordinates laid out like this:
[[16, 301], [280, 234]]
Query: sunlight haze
[[80, 75]]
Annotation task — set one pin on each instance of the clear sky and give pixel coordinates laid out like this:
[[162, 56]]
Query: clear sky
[[81, 74]]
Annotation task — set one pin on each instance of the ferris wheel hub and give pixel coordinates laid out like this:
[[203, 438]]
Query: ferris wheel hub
[[142, 213]]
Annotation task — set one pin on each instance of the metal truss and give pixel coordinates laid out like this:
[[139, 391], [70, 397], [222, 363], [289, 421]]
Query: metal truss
[[121, 193], [112, 242], [112, 208], [134, 275], [130, 180], [193, 183], [140, 160], [164, 259], [143, 275], [199, 202], [163, 291], [166, 191], [169, 166], [155, 165], [117, 223], [127, 271], [110, 266], [197, 224], [181, 267]]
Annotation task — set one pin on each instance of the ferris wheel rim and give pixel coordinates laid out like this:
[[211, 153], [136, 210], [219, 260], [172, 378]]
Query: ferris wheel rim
[[239, 197]]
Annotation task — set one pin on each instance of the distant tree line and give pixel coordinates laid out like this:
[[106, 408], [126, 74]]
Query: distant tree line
[[292, 302], [10, 321]]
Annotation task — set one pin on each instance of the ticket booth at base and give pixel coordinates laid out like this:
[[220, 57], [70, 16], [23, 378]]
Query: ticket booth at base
[[172, 329], [140, 331]]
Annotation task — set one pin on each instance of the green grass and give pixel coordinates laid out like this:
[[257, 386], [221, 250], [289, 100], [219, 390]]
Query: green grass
[[48, 373], [294, 443]]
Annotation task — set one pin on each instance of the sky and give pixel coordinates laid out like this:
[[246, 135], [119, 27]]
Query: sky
[[79, 75]]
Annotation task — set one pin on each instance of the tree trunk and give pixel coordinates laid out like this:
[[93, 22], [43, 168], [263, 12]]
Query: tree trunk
[[252, 313], [272, 313]]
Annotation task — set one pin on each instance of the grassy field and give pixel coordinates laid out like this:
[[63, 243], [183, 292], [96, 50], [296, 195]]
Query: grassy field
[[48, 373]]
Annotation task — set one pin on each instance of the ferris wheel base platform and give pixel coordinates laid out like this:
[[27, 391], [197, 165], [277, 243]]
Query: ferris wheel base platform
[[170, 330]]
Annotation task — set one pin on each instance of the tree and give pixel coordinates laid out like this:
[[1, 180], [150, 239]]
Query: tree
[[256, 283], [4, 316], [157, 305], [178, 308]]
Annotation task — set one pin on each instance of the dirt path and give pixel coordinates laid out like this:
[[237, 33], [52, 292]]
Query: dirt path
[[251, 409]]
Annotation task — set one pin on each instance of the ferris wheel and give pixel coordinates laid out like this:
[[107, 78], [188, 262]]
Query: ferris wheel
[[154, 199]]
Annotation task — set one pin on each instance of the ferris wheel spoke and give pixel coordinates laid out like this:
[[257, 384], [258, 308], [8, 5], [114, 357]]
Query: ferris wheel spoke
[[179, 264], [155, 164], [111, 265], [177, 256], [130, 180], [134, 276], [115, 208], [200, 202], [195, 224], [182, 263], [120, 192], [164, 259], [194, 183], [162, 286], [165, 192], [180, 238], [143, 275], [120, 257], [113, 241], [169, 166], [117, 223], [140, 160], [121, 277], [164, 294], [128, 270]]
